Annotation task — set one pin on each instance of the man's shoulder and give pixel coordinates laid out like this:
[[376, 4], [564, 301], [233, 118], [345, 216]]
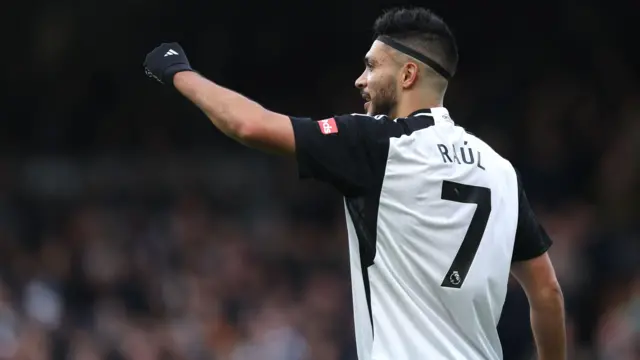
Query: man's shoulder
[[478, 141], [360, 117], [383, 127], [370, 127]]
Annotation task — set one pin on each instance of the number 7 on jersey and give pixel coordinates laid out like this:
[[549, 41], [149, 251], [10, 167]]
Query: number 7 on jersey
[[467, 194]]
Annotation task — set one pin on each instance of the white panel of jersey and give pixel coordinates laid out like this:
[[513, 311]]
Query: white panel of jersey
[[435, 218]]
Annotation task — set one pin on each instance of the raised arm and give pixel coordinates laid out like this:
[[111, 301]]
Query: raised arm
[[237, 116], [336, 150]]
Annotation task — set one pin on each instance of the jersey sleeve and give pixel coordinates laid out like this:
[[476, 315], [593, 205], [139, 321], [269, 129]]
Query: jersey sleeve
[[342, 151], [531, 238]]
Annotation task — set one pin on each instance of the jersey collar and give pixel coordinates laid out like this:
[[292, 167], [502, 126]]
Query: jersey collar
[[439, 114]]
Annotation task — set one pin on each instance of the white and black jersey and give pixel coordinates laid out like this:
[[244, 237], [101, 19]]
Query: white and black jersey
[[435, 218]]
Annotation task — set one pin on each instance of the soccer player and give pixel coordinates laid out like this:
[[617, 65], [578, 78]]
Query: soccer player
[[437, 220]]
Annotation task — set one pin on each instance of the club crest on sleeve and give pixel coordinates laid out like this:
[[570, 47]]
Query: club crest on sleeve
[[328, 126]]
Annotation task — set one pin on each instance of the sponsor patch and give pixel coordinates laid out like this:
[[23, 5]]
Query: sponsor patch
[[328, 126]]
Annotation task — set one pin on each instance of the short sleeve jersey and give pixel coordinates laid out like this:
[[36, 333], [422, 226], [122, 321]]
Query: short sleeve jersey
[[435, 218]]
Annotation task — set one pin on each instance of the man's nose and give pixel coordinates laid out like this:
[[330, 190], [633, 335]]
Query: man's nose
[[361, 82]]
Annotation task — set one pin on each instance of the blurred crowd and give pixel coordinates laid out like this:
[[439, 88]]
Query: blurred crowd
[[131, 229]]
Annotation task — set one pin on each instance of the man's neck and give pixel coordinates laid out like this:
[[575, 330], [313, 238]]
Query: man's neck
[[417, 100], [406, 109]]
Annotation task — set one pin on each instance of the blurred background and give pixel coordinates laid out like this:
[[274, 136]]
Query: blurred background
[[130, 228]]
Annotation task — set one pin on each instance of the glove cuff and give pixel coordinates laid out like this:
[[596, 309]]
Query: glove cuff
[[172, 70]]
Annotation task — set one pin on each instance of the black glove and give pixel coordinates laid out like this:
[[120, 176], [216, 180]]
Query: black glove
[[165, 61]]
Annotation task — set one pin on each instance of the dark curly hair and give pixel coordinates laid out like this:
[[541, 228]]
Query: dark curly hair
[[421, 30]]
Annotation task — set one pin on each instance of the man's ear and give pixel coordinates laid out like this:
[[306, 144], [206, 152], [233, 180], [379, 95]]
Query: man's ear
[[409, 75]]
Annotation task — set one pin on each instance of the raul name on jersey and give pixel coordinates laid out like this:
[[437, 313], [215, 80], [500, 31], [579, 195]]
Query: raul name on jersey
[[462, 155]]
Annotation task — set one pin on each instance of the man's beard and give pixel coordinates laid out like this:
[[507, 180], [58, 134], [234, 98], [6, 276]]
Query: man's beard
[[384, 102]]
